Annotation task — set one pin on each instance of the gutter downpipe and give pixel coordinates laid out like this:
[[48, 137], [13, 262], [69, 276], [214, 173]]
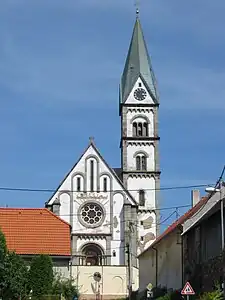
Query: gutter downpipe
[[182, 254], [156, 266]]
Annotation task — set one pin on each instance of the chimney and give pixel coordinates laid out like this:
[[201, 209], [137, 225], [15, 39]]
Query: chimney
[[195, 197]]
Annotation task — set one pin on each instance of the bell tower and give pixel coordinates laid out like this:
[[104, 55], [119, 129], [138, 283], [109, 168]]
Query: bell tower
[[139, 104]]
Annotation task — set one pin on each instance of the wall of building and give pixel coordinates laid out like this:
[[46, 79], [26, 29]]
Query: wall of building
[[203, 259], [108, 232], [169, 267], [113, 283], [60, 264]]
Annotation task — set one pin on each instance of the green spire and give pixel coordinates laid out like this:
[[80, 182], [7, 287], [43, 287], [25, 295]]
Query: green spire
[[138, 64]]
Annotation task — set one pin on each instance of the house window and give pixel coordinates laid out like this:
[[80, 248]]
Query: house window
[[141, 222], [92, 175], [142, 238], [78, 184], [105, 185], [114, 253], [142, 198], [141, 163], [139, 84]]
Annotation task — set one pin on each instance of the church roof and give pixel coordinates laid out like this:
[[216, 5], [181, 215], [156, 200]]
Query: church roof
[[35, 231], [138, 64]]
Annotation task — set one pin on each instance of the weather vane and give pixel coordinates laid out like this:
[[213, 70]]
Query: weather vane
[[137, 5]]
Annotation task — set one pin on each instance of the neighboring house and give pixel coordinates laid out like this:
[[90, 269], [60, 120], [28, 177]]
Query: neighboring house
[[203, 258], [162, 263], [31, 231], [106, 207]]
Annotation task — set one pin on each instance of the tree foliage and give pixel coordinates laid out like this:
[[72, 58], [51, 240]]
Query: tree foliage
[[65, 287], [15, 276], [3, 252], [41, 275]]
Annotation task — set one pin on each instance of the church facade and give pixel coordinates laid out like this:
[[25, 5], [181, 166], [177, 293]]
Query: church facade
[[113, 213]]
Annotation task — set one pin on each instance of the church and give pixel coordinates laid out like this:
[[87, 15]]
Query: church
[[113, 212]]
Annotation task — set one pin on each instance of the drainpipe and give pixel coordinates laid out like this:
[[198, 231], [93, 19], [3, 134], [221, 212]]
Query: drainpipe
[[156, 266], [182, 255]]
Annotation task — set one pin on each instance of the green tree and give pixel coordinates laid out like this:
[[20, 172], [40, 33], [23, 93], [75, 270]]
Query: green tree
[[15, 277], [3, 252], [41, 275], [65, 287]]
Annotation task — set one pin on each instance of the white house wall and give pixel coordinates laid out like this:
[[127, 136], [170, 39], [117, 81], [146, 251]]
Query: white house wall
[[169, 269]]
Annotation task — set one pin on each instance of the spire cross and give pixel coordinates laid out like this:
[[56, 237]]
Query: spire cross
[[137, 5]]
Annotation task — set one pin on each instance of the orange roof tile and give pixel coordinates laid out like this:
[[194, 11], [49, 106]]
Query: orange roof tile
[[178, 222], [35, 231]]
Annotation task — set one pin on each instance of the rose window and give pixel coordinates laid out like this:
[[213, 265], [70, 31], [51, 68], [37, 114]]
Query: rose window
[[91, 214]]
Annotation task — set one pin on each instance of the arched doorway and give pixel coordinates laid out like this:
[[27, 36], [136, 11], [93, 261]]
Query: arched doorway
[[92, 255]]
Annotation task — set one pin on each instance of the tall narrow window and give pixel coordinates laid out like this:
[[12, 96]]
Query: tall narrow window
[[105, 185], [138, 163], [143, 163], [134, 129], [145, 129], [140, 129], [142, 198], [92, 175], [78, 184]]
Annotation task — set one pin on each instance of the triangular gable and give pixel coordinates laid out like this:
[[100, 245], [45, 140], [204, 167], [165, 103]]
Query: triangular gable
[[130, 199]]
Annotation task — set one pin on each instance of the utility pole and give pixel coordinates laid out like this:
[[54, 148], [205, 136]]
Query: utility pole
[[222, 215], [129, 270]]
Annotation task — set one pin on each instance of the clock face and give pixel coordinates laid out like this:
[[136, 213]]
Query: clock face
[[140, 94]]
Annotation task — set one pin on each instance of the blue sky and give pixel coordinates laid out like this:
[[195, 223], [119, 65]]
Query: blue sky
[[60, 66]]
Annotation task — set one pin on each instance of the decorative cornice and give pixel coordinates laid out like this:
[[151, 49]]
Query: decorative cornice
[[86, 236], [141, 174], [140, 139], [140, 110]]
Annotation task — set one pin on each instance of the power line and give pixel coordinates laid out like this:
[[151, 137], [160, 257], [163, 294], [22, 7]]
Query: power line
[[12, 189]]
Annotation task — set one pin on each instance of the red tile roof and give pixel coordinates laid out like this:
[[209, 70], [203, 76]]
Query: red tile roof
[[178, 222], [35, 231]]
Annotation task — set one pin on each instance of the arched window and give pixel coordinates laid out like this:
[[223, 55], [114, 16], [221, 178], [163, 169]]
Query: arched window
[[141, 162], [92, 175], [134, 129], [138, 163], [105, 184], [142, 198], [92, 255], [145, 129], [78, 184], [140, 129]]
